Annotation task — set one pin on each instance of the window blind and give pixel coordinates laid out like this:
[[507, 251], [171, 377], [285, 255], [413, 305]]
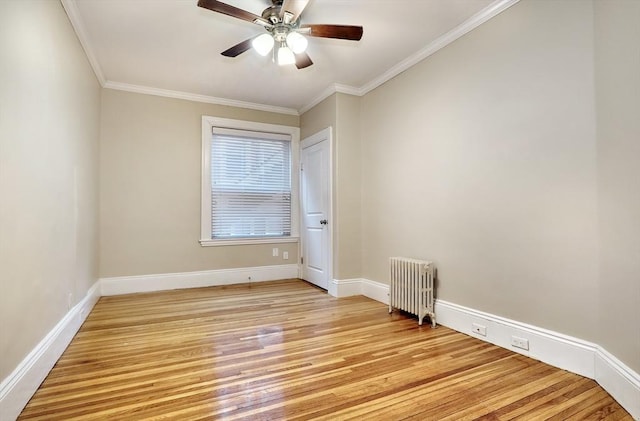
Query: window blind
[[250, 184]]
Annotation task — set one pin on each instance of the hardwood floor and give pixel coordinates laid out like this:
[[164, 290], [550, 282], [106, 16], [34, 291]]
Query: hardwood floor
[[286, 350]]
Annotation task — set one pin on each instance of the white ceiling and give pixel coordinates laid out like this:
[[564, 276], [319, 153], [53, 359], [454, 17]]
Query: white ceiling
[[172, 47]]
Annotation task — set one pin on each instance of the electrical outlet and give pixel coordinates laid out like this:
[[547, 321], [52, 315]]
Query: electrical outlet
[[520, 343], [285, 255], [275, 252], [479, 329]]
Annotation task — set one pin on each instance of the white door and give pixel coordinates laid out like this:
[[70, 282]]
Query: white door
[[315, 203]]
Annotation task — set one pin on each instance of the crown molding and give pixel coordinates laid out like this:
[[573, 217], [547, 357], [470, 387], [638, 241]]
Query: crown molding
[[197, 97], [74, 17], [470, 24], [71, 9], [476, 20], [346, 89], [329, 90], [473, 22]]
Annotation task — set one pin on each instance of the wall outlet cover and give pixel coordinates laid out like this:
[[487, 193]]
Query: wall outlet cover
[[521, 343], [479, 329]]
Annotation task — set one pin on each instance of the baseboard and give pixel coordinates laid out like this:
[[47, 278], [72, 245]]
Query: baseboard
[[375, 290], [359, 286], [167, 281], [619, 380], [345, 287], [553, 348], [22, 383], [559, 350]]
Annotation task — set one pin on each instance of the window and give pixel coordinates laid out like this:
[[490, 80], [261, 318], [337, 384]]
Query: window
[[249, 191], [250, 185]]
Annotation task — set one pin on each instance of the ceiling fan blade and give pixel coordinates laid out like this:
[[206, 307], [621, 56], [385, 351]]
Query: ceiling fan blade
[[303, 60], [238, 49], [227, 9], [293, 9], [349, 32]]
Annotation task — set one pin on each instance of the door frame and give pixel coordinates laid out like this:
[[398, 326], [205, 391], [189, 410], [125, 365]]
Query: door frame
[[324, 134]]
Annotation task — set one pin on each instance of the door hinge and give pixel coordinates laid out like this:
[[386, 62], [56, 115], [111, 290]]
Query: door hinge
[[301, 260]]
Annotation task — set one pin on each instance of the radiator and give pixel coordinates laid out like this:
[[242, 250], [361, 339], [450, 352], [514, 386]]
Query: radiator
[[411, 287]]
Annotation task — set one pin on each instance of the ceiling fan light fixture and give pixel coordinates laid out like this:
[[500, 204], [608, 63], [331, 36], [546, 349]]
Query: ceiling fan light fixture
[[297, 42], [285, 40], [285, 56], [263, 44]]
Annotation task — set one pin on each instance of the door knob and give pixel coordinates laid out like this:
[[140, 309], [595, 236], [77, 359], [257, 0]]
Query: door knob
[[323, 222]]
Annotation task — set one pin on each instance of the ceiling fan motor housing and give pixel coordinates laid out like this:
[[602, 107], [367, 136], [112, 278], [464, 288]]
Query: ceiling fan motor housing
[[281, 27], [272, 13]]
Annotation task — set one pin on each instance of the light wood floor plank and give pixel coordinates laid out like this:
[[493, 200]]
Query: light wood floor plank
[[286, 350]]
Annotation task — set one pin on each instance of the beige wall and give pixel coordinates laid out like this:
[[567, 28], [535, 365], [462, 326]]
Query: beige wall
[[483, 159], [618, 104], [49, 122], [348, 188], [150, 154], [319, 117], [341, 112]]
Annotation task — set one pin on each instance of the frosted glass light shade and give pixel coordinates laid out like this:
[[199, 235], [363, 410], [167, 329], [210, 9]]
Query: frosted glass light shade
[[296, 42], [285, 56], [263, 44]]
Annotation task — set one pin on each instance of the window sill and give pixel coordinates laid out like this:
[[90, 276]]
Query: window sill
[[247, 241]]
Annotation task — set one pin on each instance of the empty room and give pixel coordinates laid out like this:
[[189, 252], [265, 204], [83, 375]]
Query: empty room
[[320, 209]]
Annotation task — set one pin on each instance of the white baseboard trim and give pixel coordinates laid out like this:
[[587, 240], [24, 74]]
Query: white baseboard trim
[[619, 380], [376, 291], [359, 286], [22, 383], [345, 287], [553, 348], [559, 350], [167, 281]]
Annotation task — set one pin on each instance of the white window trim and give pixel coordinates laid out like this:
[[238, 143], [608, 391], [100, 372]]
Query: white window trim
[[208, 123]]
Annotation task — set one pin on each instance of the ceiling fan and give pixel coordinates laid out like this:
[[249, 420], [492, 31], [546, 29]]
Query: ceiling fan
[[281, 20]]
